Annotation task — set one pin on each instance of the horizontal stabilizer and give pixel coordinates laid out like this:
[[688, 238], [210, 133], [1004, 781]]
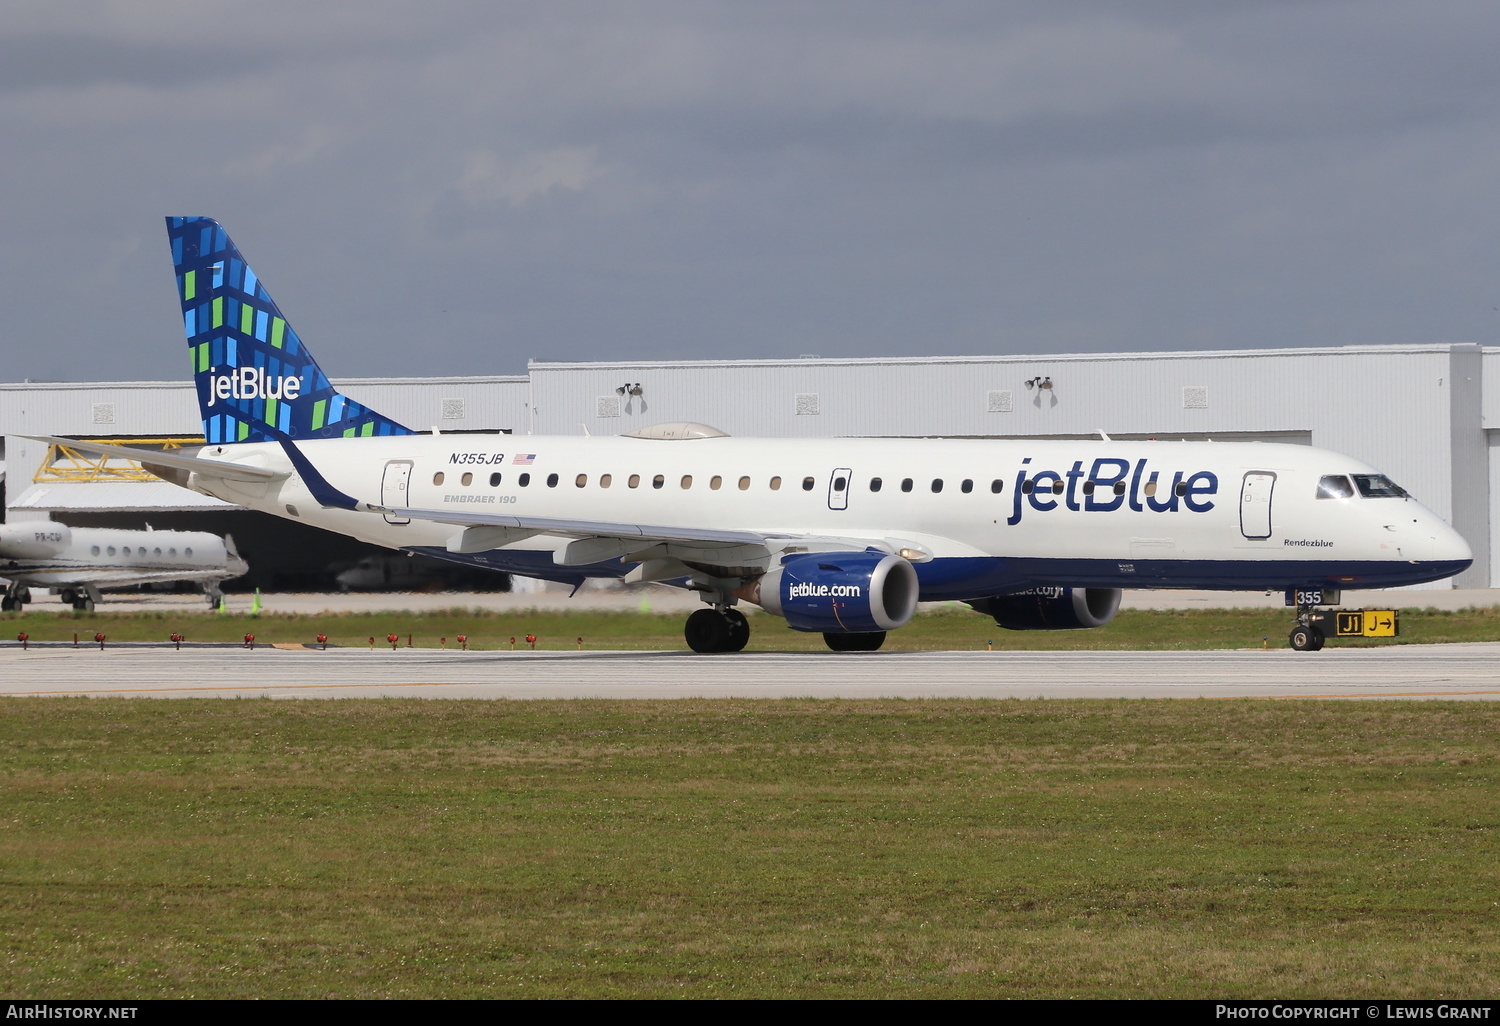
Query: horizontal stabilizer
[[158, 458]]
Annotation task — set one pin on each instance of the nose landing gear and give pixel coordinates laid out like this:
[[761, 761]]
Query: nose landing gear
[[1306, 638]]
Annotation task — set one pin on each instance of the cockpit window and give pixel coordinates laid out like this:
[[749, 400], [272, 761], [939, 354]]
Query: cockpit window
[[1335, 486], [1378, 486]]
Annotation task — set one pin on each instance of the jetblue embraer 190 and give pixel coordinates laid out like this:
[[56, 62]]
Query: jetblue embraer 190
[[841, 536]]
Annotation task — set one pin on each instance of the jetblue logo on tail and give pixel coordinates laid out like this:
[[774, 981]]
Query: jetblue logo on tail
[[250, 383], [256, 380]]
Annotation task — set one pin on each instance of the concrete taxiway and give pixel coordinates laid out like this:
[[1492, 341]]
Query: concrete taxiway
[[1469, 671]]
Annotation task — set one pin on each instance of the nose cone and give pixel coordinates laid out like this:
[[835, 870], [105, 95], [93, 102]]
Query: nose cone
[[1430, 542]]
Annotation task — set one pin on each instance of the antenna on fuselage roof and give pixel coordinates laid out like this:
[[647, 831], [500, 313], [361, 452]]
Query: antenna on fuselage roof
[[1102, 436]]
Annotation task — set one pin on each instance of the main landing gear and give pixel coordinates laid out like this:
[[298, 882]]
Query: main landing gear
[[15, 599], [1305, 637], [81, 600], [720, 629]]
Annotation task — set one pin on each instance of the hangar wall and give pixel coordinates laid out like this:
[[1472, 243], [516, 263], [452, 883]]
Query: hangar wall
[[1419, 412]]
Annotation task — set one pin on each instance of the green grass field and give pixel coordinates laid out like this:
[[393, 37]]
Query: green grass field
[[742, 848], [947, 628]]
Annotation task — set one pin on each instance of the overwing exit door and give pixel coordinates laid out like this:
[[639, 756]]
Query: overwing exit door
[[393, 486], [1255, 504], [838, 488]]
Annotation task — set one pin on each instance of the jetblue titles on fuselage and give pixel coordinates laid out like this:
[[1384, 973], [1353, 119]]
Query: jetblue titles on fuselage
[[1104, 489]]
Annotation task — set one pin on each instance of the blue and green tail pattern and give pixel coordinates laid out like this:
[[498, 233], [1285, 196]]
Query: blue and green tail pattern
[[256, 380]]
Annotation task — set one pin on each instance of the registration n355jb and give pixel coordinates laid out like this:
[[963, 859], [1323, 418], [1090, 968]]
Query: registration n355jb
[[841, 536]]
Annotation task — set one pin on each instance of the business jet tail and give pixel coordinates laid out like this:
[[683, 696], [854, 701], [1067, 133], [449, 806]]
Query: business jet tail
[[256, 380]]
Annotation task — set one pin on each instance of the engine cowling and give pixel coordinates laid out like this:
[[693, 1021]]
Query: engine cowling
[[37, 539], [1052, 609], [841, 592]]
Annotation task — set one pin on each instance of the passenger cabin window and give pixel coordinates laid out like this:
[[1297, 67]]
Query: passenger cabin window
[[1378, 486], [524, 480], [715, 482], [495, 480], [875, 484], [1058, 487], [687, 481], [467, 479], [1335, 486], [635, 481], [839, 484], [1150, 488], [1119, 487], [658, 481], [605, 480], [1180, 488], [937, 485], [437, 478], [1088, 488], [94, 551], [581, 480], [906, 484], [551, 480], [807, 484], [187, 552], [776, 484], [110, 550], [744, 483], [967, 486], [1028, 486], [997, 486]]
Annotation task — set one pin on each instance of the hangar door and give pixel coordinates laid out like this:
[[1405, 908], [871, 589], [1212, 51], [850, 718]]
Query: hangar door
[[1255, 504]]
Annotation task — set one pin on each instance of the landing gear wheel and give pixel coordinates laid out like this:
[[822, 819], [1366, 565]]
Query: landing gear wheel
[[866, 642], [9, 605], [739, 630], [707, 630], [83, 604], [68, 595], [22, 597], [1306, 639]]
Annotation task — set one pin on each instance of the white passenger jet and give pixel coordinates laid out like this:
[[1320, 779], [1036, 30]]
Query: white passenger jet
[[841, 536], [77, 562]]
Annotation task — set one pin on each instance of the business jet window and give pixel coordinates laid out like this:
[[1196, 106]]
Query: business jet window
[[906, 484], [1378, 486], [94, 551], [807, 484], [187, 552], [156, 552], [875, 484], [437, 478], [524, 480], [937, 485], [581, 480], [495, 480], [635, 481], [658, 481], [744, 484], [551, 480], [110, 550], [170, 552], [776, 484], [715, 482], [1335, 486], [605, 480], [467, 479], [967, 486], [687, 481], [997, 486]]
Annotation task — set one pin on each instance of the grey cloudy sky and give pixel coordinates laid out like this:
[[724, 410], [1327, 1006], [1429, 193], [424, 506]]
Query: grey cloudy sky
[[451, 187]]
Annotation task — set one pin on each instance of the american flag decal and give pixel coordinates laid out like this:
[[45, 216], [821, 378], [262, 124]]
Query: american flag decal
[[523, 459]]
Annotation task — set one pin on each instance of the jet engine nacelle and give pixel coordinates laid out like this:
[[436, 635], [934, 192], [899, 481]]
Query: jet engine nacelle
[[841, 592], [1052, 609], [34, 540]]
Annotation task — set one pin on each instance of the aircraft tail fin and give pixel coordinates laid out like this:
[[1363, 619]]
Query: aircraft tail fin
[[256, 381]]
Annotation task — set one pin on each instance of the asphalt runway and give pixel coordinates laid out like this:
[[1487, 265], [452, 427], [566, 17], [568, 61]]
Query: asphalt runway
[[1470, 671]]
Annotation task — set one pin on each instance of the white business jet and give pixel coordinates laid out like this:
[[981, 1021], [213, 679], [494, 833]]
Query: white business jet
[[77, 562], [841, 536]]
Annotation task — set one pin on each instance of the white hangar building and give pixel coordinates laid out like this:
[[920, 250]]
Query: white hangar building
[[1421, 413]]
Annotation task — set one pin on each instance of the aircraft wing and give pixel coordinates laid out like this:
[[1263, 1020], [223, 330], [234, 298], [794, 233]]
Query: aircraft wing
[[158, 458], [647, 533]]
